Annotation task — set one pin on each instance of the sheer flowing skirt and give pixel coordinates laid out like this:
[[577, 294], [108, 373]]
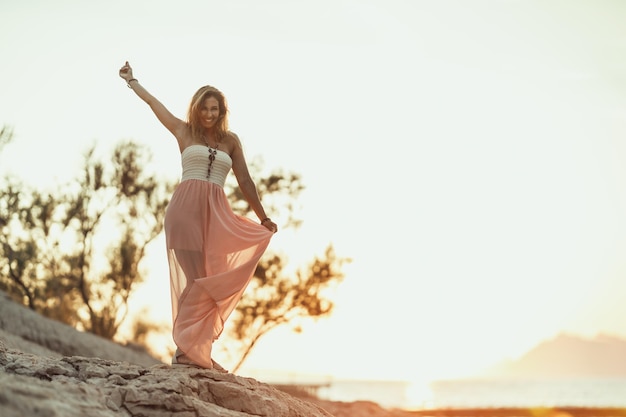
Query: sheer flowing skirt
[[212, 255]]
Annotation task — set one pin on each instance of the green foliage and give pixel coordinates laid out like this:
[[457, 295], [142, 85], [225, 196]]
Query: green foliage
[[275, 298], [6, 134], [278, 190], [74, 255]]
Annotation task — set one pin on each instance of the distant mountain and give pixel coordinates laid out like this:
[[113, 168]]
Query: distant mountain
[[568, 356]]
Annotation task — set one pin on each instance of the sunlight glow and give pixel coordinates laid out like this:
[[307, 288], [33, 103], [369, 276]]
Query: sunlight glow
[[419, 395], [469, 160]]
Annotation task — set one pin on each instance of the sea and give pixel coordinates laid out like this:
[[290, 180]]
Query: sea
[[482, 393]]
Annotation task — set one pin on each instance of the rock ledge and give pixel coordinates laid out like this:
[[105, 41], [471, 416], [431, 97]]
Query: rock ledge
[[70, 386]]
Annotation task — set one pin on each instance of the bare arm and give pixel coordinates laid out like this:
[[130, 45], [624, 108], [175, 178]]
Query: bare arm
[[177, 127], [247, 186]]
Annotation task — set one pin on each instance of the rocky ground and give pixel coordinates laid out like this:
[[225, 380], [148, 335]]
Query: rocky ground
[[49, 369]]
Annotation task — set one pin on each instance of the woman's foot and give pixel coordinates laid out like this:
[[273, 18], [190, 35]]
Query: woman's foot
[[183, 360], [180, 358]]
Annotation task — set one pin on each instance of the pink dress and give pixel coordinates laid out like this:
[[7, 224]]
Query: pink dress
[[212, 253]]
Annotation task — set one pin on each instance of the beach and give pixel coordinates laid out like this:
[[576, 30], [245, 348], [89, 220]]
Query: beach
[[518, 393], [366, 408]]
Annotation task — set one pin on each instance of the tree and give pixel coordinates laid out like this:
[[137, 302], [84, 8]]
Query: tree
[[74, 255], [275, 297], [26, 243], [279, 192], [6, 134]]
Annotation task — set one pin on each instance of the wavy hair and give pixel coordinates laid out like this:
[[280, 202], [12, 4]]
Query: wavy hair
[[193, 113]]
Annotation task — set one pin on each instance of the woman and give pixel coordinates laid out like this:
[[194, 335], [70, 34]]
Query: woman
[[212, 252]]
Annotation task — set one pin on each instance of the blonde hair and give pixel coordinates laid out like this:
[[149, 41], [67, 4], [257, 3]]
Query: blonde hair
[[193, 113]]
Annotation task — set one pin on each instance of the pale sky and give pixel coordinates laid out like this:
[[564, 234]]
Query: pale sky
[[467, 155]]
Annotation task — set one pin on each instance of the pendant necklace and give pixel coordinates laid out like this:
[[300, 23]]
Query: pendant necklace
[[212, 153]]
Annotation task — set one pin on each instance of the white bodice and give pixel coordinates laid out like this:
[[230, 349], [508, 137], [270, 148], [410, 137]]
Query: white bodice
[[195, 161]]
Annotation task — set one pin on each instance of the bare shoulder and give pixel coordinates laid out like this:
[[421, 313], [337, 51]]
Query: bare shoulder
[[233, 136], [232, 142]]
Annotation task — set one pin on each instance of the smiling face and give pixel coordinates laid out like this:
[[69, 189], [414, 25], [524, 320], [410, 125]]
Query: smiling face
[[209, 112]]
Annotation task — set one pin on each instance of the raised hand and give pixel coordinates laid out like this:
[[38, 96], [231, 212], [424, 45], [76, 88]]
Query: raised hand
[[126, 72]]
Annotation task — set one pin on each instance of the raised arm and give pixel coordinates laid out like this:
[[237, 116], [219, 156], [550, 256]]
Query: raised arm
[[247, 186], [175, 125]]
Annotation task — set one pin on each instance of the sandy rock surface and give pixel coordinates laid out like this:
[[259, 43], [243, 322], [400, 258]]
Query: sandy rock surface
[[49, 369], [29, 332], [33, 385]]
